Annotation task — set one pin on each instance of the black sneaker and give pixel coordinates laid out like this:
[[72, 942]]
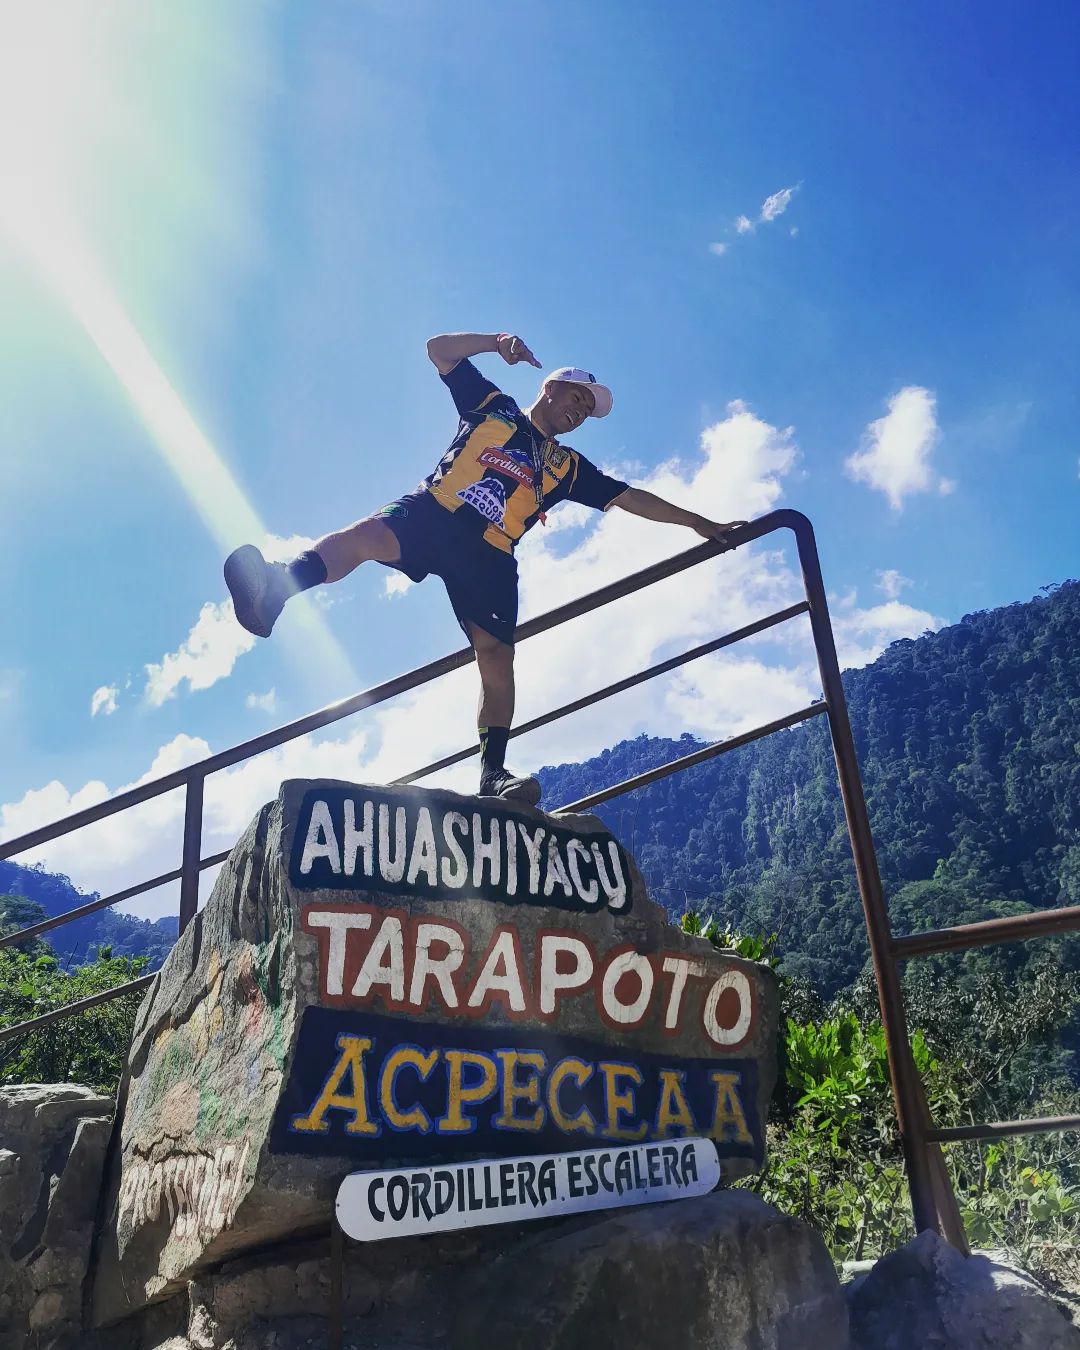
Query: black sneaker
[[259, 589], [503, 783]]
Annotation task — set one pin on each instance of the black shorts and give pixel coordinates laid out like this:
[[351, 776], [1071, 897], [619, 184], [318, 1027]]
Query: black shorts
[[480, 580]]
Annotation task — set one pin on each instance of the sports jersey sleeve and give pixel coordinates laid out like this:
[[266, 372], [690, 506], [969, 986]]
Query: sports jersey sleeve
[[592, 487], [470, 390]]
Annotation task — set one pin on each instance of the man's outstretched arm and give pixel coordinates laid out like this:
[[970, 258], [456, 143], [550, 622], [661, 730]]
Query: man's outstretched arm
[[448, 349], [651, 507]]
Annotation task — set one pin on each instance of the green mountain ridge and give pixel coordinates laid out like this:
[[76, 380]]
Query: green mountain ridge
[[969, 744], [30, 894]]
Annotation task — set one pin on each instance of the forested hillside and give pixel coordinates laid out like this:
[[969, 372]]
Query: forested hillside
[[969, 741], [30, 894]]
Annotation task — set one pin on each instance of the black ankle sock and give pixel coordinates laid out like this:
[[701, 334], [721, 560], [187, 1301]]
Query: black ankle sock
[[306, 571], [493, 748]]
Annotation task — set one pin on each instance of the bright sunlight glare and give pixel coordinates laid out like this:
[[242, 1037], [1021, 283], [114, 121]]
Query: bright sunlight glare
[[56, 110]]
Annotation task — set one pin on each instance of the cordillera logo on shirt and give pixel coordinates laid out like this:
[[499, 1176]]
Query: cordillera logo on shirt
[[509, 464]]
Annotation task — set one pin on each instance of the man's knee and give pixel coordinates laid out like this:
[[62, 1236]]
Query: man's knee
[[375, 540], [489, 650]]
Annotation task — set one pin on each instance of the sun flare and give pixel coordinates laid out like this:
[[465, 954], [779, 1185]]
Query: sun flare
[[59, 116]]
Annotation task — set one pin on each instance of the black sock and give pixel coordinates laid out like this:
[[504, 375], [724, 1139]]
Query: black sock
[[493, 748], [306, 571]]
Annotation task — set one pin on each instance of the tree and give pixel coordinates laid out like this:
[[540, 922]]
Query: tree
[[90, 1048]]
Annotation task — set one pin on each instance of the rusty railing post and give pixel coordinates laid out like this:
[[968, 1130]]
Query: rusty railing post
[[189, 878], [907, 1089]]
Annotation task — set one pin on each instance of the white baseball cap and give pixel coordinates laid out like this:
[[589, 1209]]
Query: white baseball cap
[[575, 375]]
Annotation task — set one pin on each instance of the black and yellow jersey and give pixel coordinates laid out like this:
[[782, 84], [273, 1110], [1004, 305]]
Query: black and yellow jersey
[[489, 474]]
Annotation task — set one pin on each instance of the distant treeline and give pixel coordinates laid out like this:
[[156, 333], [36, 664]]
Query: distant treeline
[[969, 741], [30, 894]]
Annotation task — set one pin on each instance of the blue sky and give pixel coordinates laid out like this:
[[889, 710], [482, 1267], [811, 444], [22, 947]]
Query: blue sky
[[824, 255]]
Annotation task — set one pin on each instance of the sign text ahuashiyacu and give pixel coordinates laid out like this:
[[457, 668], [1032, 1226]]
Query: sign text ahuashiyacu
[[399, 842]]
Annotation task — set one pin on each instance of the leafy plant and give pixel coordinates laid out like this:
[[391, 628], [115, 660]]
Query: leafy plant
[[834, 1156], [90, 1048]]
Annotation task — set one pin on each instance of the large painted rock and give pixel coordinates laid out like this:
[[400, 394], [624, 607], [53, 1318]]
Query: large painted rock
[[390, 976]]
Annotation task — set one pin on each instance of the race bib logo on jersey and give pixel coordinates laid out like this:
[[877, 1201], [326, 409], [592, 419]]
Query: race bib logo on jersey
[[507, 462], [488, 497]]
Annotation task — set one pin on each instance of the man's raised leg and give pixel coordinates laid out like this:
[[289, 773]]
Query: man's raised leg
[[495, 660], [259, 589]]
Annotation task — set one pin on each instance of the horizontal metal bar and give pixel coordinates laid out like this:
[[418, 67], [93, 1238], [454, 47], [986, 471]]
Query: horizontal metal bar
[[620, 686], [73, 1009], [997, 1128], [988, 933], [378, 693], [660, 668], [698, 757]]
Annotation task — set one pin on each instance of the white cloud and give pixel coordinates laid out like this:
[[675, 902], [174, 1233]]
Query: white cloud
[[121, 850], [207, 654], [262, 702], [574, 516], [742, 693], [215, 643], [863, 634], [276, 548], [738, 472], [772, 208], [776, 204], [891, 583], [103, 700], [895, 456], [396, 583], [145, 841], [718, 249]]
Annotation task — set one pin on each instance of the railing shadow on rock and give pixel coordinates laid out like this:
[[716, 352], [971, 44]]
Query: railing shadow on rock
[[933, 1203]]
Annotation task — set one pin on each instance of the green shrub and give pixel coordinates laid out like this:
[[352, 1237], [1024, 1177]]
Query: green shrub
[[834, 1156], [90, 1048]]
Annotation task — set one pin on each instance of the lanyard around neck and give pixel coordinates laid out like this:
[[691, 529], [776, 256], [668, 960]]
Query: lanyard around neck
[[538, 471]]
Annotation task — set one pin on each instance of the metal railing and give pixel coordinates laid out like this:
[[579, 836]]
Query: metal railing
[[933, 1203]]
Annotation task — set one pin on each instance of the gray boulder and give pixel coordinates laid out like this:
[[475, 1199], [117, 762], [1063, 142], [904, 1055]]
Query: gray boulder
[[53, 1139], [926, 1296], [722, 1272]]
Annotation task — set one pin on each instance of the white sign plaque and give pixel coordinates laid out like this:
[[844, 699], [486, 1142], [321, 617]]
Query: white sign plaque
[[408, 1201]]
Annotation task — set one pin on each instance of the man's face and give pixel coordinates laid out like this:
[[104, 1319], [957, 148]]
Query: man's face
[[568, 405]]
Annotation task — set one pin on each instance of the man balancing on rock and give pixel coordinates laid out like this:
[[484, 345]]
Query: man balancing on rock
[[501, 473]]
